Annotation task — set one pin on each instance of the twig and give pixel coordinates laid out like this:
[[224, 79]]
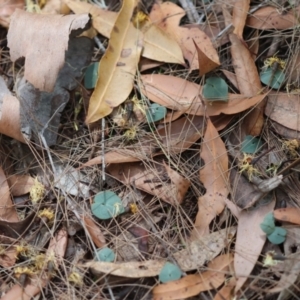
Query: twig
[[191, 10]]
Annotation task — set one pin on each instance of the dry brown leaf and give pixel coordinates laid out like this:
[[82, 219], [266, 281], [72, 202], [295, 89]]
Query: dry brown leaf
[[288, 214], [157, 44], [9, 256], [206, 64], [58, 245], [7, 9], [146, 64], [7, 209], [284, 109], [214, 177], [20, 184], [41, 64], [167, 16], [247, 78], [270, 17], [120, 62], [240, 13], [250, 240], [94, 231], [192, 285], [191, 258], [55, 7], [183, 96], [226, 292]]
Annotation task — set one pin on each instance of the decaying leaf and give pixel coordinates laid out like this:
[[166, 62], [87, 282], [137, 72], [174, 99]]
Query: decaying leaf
[[95, 232], [41, 65], [250, 240], [167, 16], [214, 176], [192, 285], [120, 62], [197, 252]]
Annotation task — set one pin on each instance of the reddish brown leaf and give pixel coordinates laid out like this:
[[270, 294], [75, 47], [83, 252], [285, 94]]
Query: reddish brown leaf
[[20, 184], [289, 214], [94, 231], [142, 235], [214, 176], [240, 13]]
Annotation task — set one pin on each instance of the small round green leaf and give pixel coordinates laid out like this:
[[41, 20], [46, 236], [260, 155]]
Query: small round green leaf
[[169, 272], [268, 224], [105, 254], [107, 205], [91, 75], [277, 236], [215, 89], [275, 82], [155, 113], [251, 144]]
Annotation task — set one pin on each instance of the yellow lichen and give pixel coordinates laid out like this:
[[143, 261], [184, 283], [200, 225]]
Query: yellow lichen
[[133, 208], [269, 62], [37, 191], [269, 260], [291, 146], [245, 165], [47, 213], [29, 271], [75, 278], [25, 250]]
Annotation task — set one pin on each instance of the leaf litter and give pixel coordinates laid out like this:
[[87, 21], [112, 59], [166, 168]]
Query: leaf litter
[[188, 193]]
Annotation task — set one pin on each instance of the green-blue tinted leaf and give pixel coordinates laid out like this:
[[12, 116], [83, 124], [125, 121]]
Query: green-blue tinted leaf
[[169, 272], [155, 113], [275, 82], [105, 254], [215, 89], [251, 144], [91, 76], [268, 224], [277, 236]]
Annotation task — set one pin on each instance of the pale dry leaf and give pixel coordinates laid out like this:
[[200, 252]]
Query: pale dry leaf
[[7, 209], [214, 177], [158, 45], [250, 240], [120, 62], [41, 65], [20, 184], [94, 231], [58, 245], [192, 285], [55, 7], [240, 13], [167, 16], [271, 17], [191, 258]]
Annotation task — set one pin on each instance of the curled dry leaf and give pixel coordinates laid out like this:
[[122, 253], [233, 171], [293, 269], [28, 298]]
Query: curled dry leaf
[[167, 16], [94, 231], [41, 65], [20, 184], [157, 44], [288, 214], [214, 177], [270, 17], [240, 13], [192, 285], [120, 63], [191, 258], [250, 240]]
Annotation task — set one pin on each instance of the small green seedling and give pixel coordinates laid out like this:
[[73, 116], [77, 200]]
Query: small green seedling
[[107, 205], [268, 224], [251, 144], [169, 272], [155, 113], [215, 89], [91, 76], [273, 79], [276, 235], [105, 254]]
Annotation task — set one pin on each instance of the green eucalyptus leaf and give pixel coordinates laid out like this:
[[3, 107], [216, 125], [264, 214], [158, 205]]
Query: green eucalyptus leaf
[[215, 89], [169, 272], [91, 75], [277, 236], [275, 82], [251, 144], [268, 224], [107, 205], [155, 112], [105, 254]]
